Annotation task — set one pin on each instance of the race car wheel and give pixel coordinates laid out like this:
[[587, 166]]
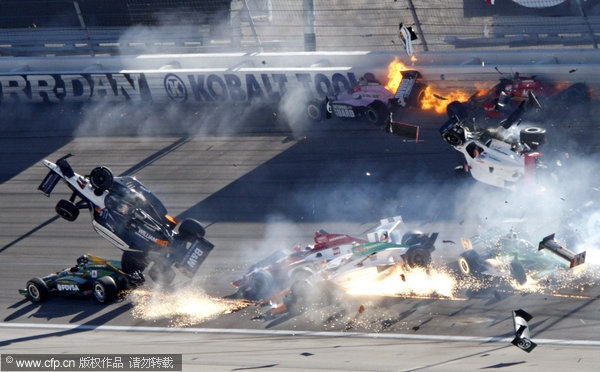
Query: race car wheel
[[101, 178], [315, 110], [376, 113], [457, 109], [132, 262], [412, 237], [517, 271], [533, 137], [67, 210], [37, 290], [261, 286], [105, 289], [191, 229], [417, 257], [162, 274], [469, 263], [453, 139]]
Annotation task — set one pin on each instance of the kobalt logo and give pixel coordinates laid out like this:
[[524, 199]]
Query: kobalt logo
[[175, 88], [193, 260], [67, 287]]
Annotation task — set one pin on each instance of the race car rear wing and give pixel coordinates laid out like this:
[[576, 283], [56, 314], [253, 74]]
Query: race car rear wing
[[575, 259], [53, 176], [401, 129], [409, 78]]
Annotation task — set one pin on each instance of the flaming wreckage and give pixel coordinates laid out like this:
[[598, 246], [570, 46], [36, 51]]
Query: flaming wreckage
[[387, 252], [512, 257], [128, 215], [369, 100], [92, 275]]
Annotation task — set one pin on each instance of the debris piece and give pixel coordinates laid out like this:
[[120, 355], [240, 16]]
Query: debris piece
[[306, 354], [522, 338]]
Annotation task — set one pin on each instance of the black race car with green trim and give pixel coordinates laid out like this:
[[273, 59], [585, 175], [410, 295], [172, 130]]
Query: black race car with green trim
[[92, 275]]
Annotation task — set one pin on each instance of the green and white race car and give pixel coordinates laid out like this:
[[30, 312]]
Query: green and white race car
[[92, 275]]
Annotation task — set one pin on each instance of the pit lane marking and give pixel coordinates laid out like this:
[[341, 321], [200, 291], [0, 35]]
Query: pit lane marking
[[265, 332]]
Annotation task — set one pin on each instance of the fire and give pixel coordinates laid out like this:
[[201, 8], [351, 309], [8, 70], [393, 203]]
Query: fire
[[182, 308], [431, 100], [395, 69], [395, 282]]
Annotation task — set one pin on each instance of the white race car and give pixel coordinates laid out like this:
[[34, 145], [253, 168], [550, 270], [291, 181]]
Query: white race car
[[497, 156]]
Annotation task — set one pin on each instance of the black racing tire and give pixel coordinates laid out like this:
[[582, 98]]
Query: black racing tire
[[412, 237], [132, 262], [517, 272], [470, 263], [376, 113], [37, 290], [162, 274], [67, 210], [261, 286], [101, 178], [457, 109], [315, 110], [460, 172], [301, 274], [191, 229], [533, 136], [417, 257], [105, 289]]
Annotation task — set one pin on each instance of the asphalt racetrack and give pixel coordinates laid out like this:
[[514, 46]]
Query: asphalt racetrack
[[259, 184]]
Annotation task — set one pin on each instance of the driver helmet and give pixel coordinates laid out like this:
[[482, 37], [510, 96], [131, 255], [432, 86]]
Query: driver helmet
[[82, 260]]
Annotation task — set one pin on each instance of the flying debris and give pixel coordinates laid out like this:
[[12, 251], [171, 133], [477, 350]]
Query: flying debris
[[401, 129], [407, 35], [522, 338], [575, 259]]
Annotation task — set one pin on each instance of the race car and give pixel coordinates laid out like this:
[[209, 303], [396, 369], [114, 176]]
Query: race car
[[380, 257], [500, 101], [369, 100], [128, 215], [509, 256], [279, 269], [497, 156], [92, 275]]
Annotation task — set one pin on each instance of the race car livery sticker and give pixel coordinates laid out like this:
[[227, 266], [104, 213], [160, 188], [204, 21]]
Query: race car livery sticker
[[67, 287]]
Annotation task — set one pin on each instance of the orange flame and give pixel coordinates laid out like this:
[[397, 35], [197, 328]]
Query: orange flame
[[431, 100], [395, 69]]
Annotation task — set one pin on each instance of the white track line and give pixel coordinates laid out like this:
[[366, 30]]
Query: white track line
[[268, 332]]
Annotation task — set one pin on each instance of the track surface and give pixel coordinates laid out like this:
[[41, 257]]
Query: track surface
[[257, 188]]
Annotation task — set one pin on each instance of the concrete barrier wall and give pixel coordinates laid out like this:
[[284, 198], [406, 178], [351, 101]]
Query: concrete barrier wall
[[242, 77]]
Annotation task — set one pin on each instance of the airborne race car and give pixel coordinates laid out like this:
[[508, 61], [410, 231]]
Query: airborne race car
[[369, 100], [496, 156], [132, 218], [92, 275]]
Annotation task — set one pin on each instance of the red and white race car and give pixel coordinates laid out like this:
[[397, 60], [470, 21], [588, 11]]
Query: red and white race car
[[275, 272]]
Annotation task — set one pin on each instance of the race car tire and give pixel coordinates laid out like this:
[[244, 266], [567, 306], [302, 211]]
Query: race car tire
[[417, 257], [162, 274], [412, 237], [261, 286], [37, 290], [315, 110], [67, 210], [376, 113], [105, 289], [301, 274], [132, 262], [460, 171], [191, 229], [101, 179], [517, 271], [300, 297], [457, 109], [533, 137], [453, 139], [469, 263]]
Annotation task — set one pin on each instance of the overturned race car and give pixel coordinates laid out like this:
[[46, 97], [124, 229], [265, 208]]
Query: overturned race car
[[92, 275], [128, 215]]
